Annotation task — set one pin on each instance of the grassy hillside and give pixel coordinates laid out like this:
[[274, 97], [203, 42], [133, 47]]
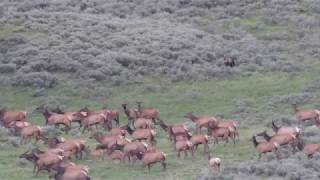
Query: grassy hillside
[[210, 97]]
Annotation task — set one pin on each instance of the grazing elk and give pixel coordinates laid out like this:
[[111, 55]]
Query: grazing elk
[[230, 124], [16, 126], [228, 61], [6, 117], [116, 155], [149, 158], [201, 122], [143, 123], [307, 114], [281, 139], [265, 147], [73, 146], [184, 146]]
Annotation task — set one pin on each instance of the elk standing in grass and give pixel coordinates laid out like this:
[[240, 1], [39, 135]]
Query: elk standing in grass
[[308, 149], [286, 130], [152, 114], [30, 131], [265, 147], [6, 117], [307, 114], [149, 158], [201, 122], [214, 163], [173, 130], [184, 146], [221, 132], [281, 139], [196, 140]]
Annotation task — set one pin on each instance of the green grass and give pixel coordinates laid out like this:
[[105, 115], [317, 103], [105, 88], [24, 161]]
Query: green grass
[[216, 96]]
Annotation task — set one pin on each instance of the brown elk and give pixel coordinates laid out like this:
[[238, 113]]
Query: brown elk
[[92, 120], [6, 117], [71, 114], [306, 114], [184, 146], [221, 132], [196, 140], [132, 150], [143, 134], [173, 130], [286, 130], [281, 139], [201, 122], [30, 131], [70, 172], [230, 124], [265, 147], [112, 115], [73, 146], [308, 149], [149, 158], [116, 155], [130, 113], [42, 161], [118, 131], [228, 61], [152, 114], [16, 126], [142, 123], [54, 118]]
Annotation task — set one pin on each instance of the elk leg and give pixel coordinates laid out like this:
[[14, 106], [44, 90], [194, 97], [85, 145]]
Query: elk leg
[[185, 153], [259, 156], [164, 165], [149, 167]]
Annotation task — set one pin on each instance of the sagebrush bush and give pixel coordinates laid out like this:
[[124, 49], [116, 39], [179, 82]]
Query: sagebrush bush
[[115, 41]]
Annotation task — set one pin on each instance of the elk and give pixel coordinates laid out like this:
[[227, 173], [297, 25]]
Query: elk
[[281, 139], [105, 140], [230, 124], [130, 113], [143, 134], [149, 158], [96, 153], [30, 131], [308, 149], [7, 117], [184, 146], [132, 150], [200, 139], [202, 121], [116, 155], [109, 113], [16, 126], [42, 161], [152, 114], [91, 120], [70, 172], [173, 130], [221, 132], [118, 131], [55, 119], [307, 114], [71, 114], [74, 146], [265, 147], [214, 163], [286, 130], [142, 123], [228, 61]]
